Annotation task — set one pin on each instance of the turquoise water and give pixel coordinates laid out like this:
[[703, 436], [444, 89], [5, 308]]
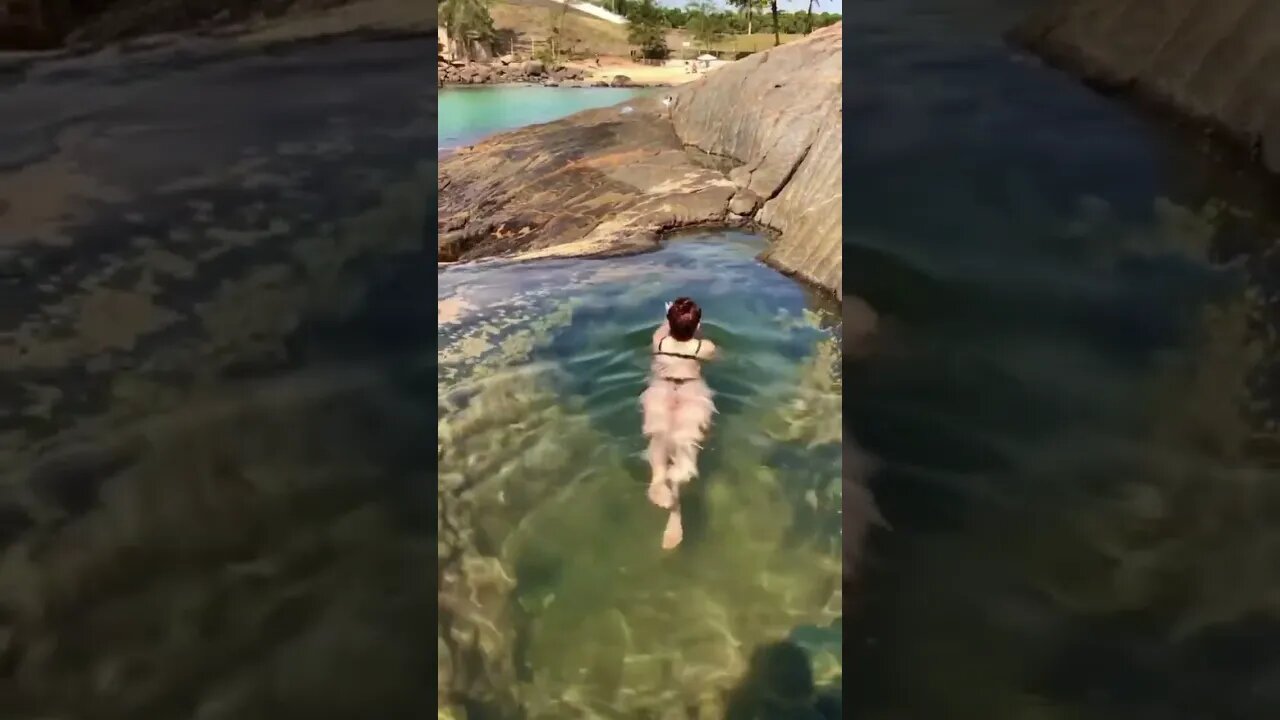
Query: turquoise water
[[468, 114]]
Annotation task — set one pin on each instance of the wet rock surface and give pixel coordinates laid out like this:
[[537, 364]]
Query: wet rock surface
[[606, 182], [613, 180], [1211, 61]]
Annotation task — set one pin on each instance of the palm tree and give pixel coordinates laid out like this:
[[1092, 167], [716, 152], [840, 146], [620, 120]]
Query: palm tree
[[808, 19], [466, 21], [704, 24], [773, 8], [748, 8]]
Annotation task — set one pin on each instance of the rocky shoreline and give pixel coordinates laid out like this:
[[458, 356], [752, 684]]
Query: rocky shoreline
[[757, 143], [222, 37], [509, 70], [1210, 62]]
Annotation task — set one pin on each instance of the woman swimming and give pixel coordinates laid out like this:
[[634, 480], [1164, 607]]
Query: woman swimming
[[677, 409]]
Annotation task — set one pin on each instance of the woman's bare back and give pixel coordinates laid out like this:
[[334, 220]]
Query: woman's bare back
[[679, 360]]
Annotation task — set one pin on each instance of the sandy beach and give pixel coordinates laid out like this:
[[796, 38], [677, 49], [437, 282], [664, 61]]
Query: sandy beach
[[639, 74]]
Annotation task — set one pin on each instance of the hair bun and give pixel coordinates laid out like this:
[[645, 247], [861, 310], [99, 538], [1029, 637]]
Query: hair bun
[[683, 317]]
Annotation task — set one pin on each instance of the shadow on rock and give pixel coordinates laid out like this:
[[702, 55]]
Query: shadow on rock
[[779, 684]]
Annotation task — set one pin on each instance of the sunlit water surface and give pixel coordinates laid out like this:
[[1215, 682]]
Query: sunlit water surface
[[543, 482]]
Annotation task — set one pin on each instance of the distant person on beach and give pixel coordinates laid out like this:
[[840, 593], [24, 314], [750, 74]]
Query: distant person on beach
[[677, 408]]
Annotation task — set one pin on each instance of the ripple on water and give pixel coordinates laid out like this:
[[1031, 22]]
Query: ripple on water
[[542, 473]]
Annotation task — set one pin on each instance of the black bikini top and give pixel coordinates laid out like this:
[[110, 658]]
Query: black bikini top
[[694, 356]]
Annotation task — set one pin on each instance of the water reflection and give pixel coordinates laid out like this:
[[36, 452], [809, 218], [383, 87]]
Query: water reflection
[[213, 484], [1069, 399]]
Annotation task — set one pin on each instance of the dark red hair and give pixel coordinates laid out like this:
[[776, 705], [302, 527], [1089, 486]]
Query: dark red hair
[[683, 317]]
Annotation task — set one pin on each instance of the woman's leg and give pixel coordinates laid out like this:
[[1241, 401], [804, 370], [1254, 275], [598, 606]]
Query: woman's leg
[[674, 532], [655, 403], [659, 489], [684, 463], [689, 422]]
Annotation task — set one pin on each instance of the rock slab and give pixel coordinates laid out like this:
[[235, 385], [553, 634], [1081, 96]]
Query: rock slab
[[1216, 61], [755, 142], [777, 116]]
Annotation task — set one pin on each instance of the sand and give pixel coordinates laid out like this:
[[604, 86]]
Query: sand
[[639, 74]]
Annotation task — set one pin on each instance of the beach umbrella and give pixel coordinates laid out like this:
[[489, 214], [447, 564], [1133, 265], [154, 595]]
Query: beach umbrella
[[705, 57]]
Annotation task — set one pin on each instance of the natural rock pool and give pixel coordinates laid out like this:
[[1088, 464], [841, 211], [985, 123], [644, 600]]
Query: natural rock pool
[[551, 571]]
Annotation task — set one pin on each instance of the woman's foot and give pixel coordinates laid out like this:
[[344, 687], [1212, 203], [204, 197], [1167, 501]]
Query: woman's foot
[[660, 494], [674, 531]]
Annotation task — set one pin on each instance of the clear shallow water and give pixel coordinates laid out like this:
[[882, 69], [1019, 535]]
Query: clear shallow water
[[542, 495], [468, 114], [1072, 397]]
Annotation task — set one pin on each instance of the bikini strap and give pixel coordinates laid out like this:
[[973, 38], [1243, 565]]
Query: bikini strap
[[694, 356]]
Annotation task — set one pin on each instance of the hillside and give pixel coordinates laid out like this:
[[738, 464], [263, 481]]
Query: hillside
[[582, 34]]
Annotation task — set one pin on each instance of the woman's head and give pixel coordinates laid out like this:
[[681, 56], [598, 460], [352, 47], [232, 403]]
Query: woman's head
[[683, 317]]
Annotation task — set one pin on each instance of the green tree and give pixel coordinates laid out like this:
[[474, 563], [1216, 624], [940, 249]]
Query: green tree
[[749, 8], [467, 22], [557, 33], [647, 28], [705, 24]]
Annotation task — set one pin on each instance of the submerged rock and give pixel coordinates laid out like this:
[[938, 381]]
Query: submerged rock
[[608, 181], [1211, 60]]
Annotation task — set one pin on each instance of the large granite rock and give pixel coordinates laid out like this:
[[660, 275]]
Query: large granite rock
[[1212, 60], [758, 141], [777, 116]]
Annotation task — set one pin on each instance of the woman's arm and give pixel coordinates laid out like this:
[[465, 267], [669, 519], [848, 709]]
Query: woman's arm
[[707, 350], [662, 331]]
